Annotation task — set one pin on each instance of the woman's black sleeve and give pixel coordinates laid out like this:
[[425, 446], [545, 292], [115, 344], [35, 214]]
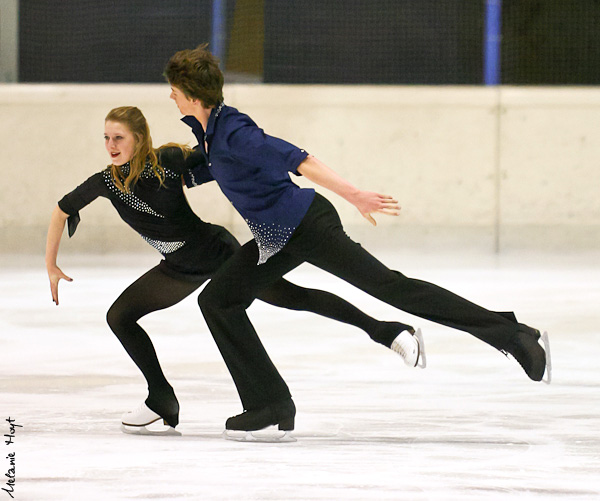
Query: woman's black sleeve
[[193, 168], [81, 196], [196, 172], [174, 159]]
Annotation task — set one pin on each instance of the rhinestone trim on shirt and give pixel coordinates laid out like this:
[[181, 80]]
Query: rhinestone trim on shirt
[[270, 238], [193, 179]]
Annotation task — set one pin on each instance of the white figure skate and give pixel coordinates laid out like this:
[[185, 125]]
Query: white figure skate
[[411, 348], [144, 421]]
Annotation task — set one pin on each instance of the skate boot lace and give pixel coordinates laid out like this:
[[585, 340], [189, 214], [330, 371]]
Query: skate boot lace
[[400, 347], [406, 346], [140, 408]]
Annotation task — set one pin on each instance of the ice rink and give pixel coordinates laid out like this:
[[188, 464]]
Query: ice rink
[[471, 426]]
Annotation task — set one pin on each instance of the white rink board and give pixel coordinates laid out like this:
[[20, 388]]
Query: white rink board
[[490, 168]]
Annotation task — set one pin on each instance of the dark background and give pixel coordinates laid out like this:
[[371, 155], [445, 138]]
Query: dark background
[[352, 41]]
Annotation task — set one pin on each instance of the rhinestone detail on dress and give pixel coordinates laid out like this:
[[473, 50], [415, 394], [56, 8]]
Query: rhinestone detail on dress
[[129, 198], [138, 204], [164, 247]]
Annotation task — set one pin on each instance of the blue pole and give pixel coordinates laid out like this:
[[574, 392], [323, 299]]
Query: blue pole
[[492, 39], [219, 30]]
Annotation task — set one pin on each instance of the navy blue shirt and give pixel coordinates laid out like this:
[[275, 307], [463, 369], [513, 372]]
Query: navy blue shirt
[[252, 169]]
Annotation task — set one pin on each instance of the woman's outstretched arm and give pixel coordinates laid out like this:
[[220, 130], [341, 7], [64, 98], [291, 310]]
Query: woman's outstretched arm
[[55, 231]]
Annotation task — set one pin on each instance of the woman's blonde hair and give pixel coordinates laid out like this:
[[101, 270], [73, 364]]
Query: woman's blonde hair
[[143, 153]]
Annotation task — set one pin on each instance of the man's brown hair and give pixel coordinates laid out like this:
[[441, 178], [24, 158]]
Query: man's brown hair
[[196, 72]]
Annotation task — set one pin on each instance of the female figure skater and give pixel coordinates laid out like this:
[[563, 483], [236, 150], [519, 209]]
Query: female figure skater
[[145, 187], [292, 225]]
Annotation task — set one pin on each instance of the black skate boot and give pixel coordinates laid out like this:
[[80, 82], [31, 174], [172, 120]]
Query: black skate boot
[[526, 350], [242, 426]]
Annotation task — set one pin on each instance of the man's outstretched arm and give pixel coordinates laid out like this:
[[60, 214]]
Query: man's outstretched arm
[[367, 202]]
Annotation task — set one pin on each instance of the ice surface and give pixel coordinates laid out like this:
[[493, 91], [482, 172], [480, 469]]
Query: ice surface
[[471, 426]]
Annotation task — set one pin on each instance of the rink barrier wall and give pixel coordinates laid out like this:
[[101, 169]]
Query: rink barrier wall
[[475, 168]]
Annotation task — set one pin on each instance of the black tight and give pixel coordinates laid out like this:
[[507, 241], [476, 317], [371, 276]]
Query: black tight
[[153, 291]]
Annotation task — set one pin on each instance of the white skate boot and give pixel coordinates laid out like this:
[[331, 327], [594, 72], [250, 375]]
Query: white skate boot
[[411, 348], [144, 421]]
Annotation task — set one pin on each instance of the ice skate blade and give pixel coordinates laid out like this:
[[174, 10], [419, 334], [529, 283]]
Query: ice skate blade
[[264, 436], [152, 429], [548, 375], [422, 358]]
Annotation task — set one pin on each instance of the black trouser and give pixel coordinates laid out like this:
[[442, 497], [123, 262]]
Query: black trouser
[[320, 240], [157, 289]]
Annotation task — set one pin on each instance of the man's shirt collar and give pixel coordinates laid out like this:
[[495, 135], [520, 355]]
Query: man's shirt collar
[[192, 122], [214, 114]]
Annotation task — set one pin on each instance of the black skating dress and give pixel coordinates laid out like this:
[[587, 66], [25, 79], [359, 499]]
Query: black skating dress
[[192, 249]]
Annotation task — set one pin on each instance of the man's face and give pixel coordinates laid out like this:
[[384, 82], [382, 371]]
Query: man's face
[[186, 105]]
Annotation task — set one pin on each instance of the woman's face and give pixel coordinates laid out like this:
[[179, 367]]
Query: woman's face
[[119, 141]]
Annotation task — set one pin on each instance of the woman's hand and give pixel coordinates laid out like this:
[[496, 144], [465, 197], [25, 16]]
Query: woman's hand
[[55, 274]]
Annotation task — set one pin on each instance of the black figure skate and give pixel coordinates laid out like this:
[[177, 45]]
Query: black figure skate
[[246, 427]]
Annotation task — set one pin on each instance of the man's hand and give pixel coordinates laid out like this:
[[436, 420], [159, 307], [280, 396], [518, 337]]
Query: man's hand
[[368, 202]]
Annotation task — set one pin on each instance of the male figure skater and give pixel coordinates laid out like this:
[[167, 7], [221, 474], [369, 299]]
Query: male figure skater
[[292, 225]]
